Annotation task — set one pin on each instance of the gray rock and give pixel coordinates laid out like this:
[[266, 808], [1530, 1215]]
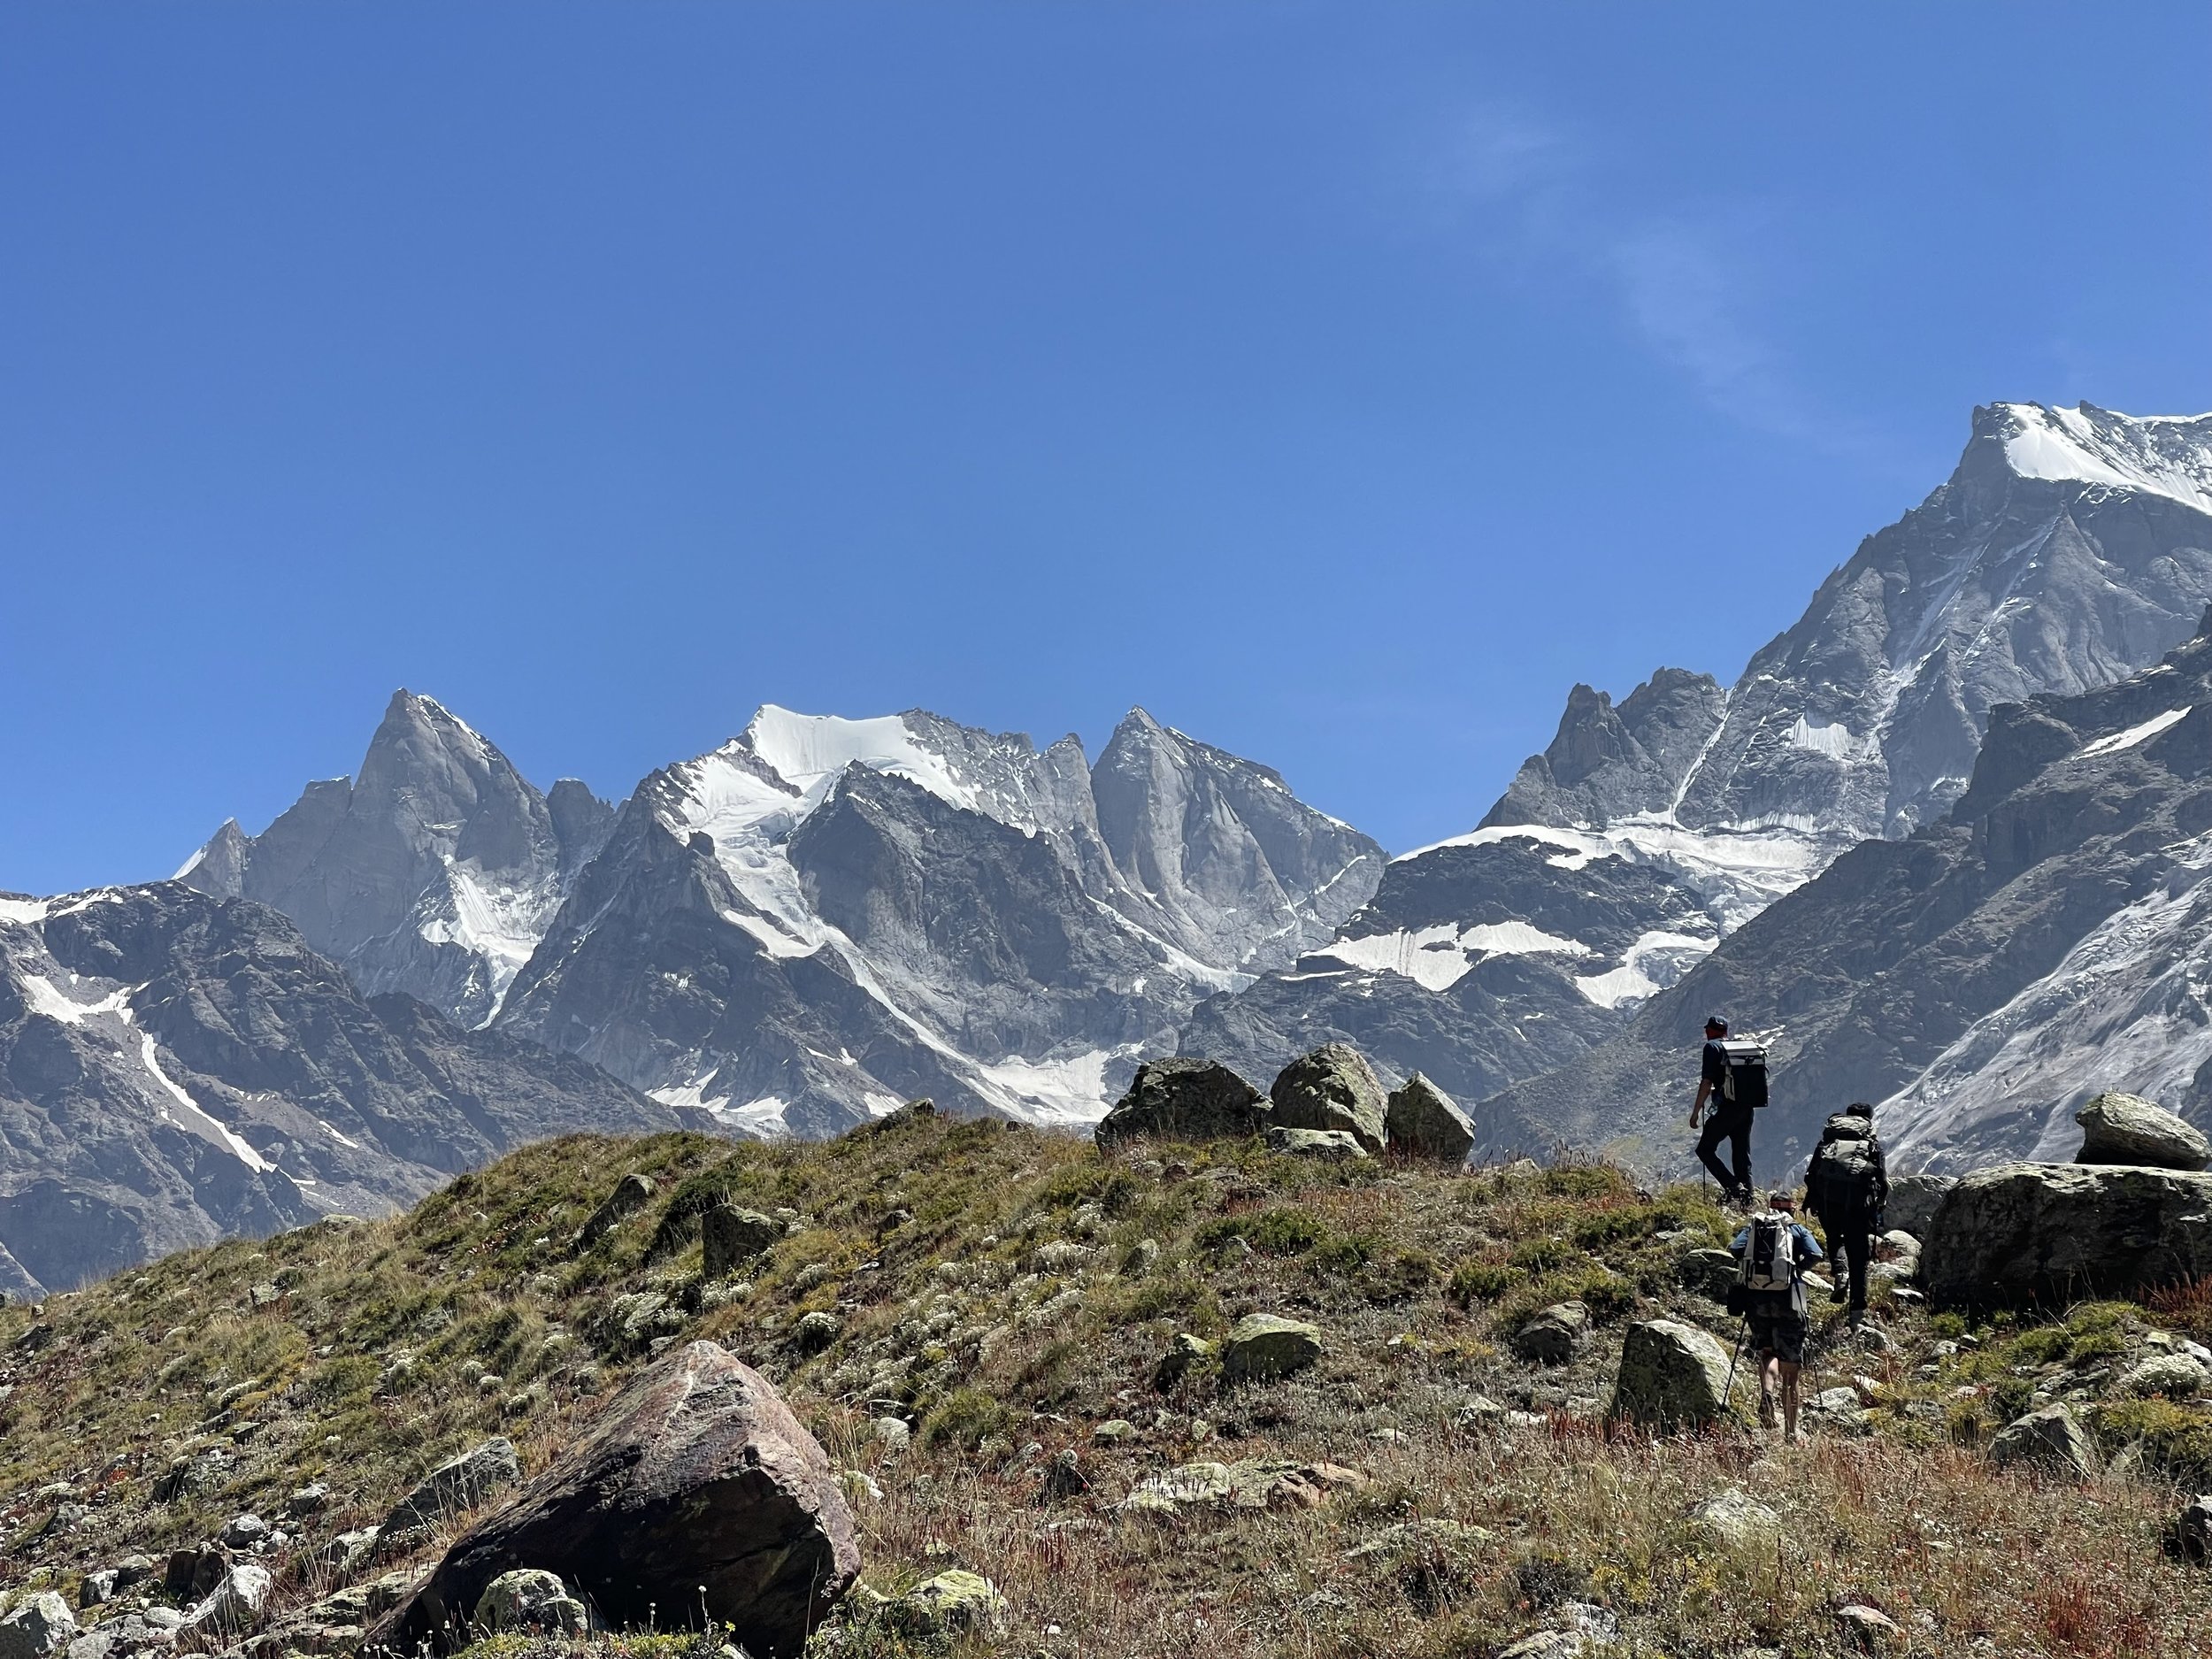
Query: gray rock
[[308, 1500], [2027, 1232], [696, 1489], [96, 1587], [235, 1606], [191, 1572], [1421, 1121], [730, 1236], [2192, 1530], [1315, 1143], [458, 1484], [1672, 1376], [1333, 1088], [1735, 1519], [2128, 1129], [36, 1626], [1261, 1347], [530, 1599], [1185, 1098], [1551, 1337], [631, 1194], [2052, 1438], [1913, 1200], [1249, 1483], [244, 1532], [894, 1434]]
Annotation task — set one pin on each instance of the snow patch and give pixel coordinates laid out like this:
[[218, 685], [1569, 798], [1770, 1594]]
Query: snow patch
[[50, 1000], [1440, 957], [1835, 741], [1067, 1092], [2168, 456], [2135, 734], [1655, 961], [218, 1131], [28, 912]]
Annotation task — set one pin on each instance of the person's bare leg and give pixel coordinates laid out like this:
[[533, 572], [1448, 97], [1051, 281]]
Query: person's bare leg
[[1768, 1371], [1789, 1399]]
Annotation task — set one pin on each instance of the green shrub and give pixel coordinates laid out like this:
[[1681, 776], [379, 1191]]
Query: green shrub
[[965, 1417], [1482, 1282], [1587, 1180], [1286, 1230], [1541, 1255], [2177, 1440]]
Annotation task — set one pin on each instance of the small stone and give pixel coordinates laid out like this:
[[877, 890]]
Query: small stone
[[952, 1602], [1712, 1271], [631, 1194], [530, 1599], [730, 1236], [1735, 1519], [235, 1604], [96, 1587], [1183, 1353], [1550, 1337], [1867, 1626], [1142, 1256], [244, 1532], [308, 1500], [1480, 1411], [1115, 1431], [859, 1485], [1262, 1346], [1336, 1145]]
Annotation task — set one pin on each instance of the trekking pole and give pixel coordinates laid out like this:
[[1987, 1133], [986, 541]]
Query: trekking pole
[[1728, 1388]]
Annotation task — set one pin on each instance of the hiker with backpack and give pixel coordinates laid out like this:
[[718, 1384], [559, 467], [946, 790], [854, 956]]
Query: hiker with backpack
[[1733, 1076], [1772, 1252], [1847, 1188]]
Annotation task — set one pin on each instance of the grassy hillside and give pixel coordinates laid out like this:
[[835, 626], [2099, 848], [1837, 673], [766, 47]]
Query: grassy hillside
[[1011, 1294]]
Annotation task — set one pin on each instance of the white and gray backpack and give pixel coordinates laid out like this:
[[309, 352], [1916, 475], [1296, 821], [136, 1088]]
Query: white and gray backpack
[[1769, 1255]]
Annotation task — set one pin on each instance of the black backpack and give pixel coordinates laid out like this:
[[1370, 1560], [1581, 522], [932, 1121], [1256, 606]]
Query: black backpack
[[1845, 1168], [1745, 1082]]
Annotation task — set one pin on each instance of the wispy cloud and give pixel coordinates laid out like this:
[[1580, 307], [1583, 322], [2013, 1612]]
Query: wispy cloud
[[1686, 281]]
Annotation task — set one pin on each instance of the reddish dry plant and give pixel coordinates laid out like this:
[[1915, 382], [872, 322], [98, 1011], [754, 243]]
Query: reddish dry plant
[[2186, 1306]]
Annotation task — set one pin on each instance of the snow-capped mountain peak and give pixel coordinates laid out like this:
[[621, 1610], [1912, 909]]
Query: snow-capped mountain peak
[[2162, 454]]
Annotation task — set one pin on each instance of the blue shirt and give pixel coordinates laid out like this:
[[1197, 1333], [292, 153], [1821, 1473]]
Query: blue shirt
[[1776, 1303], [1808, 1248]]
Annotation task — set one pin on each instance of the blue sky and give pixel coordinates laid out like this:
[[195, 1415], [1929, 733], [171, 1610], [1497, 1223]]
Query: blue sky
[[1340, 383]]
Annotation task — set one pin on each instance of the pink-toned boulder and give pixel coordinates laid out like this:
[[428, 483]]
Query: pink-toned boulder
[[697, 1495]]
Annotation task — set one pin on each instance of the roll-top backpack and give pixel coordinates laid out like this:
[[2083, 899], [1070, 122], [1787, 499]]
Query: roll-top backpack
[[1745, 1082], [1844, 1169], [1769, 1255]]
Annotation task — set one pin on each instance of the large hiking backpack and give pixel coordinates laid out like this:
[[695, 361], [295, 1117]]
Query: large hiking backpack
[[1769, 1255], [1745, 1082], [1842, 1176]]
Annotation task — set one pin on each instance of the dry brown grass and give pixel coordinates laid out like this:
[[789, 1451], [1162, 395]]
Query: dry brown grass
[[1005, 1362]]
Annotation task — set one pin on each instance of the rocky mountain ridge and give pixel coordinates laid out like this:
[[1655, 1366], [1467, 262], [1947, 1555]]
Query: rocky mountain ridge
[[176, 1068], [822, 917], [2070, 548]]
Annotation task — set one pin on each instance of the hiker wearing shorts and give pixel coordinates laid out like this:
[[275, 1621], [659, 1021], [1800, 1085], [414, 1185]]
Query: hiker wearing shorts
[[1731, 1121], [1777, 1318]]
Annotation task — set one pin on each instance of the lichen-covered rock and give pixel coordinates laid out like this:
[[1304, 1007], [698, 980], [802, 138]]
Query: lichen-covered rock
[[1185, 1098], [1333, 1088], [631, 1194], [1250, 1484], [1315, 1143], [1734, 1518], [2128, 1129], [2052, 1440], [2052, 1232], [1672, 1376], [697, 1492], [1551, 1336], [458, 1484], [1261, 1347], [731, 1235], [36, 1626], [530, 1599], [1421, 1121], [946, 1605], [1711, 1271], [1182, 1354]]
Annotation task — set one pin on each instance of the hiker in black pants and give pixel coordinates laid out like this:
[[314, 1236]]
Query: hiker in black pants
[[1847, 1188], [1731, 1121]]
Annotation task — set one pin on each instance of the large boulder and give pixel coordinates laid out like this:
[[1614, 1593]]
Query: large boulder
[[1185, 1098], [2128, 1129], [2054, 1233], [1913, 1200], [36, 1626], [459, 1483], [697, 1494], [1672, 1376], [1421, 1122], [1261, 1347], [1333, 1088]]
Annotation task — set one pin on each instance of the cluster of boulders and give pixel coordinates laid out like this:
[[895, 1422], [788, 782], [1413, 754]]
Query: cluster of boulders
[[1328, 1103]]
